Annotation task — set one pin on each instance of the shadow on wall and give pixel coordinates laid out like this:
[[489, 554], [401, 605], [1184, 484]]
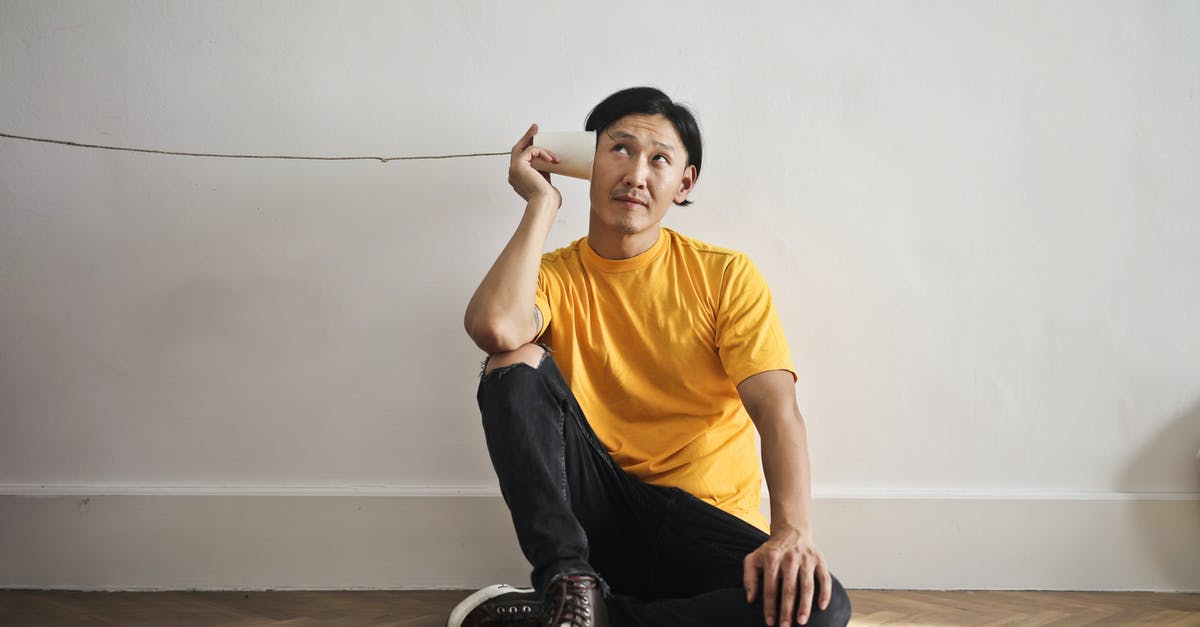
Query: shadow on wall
[[1170, 461]]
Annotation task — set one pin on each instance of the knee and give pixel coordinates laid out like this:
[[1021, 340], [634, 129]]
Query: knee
[[839, 610], [530, 354]]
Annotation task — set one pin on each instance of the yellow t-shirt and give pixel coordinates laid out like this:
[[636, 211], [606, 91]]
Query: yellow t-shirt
[[653, 348]]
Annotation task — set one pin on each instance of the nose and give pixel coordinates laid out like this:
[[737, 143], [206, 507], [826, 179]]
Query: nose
[[635, 176]]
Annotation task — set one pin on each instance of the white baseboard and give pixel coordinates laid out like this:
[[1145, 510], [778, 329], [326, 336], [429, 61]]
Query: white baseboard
[[218, 538]]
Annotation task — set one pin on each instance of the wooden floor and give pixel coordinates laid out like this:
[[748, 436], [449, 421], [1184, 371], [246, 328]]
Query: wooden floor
[[429, 608]]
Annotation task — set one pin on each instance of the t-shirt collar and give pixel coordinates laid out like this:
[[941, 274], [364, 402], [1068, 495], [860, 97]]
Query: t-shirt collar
[[636, 262]]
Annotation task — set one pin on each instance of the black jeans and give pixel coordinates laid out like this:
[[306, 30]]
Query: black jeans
[[666, 558]]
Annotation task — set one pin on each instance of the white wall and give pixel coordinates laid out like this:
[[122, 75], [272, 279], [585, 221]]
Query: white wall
[[981, 222]]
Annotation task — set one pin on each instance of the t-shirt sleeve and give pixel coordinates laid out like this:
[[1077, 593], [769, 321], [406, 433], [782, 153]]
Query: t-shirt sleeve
[[750, 336], [546, 288]]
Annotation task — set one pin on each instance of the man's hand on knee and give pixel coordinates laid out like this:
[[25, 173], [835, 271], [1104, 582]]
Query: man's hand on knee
[[790, 566]]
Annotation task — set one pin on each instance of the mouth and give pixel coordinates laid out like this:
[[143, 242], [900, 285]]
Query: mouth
[[631, 200]]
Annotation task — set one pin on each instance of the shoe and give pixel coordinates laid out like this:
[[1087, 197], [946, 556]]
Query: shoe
[[576, 601], [499, 605]]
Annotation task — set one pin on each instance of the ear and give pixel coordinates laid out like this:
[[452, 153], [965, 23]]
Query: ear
[[686, 185]]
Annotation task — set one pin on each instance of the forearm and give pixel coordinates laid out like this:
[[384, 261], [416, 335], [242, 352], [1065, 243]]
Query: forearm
[[500, 315], [788, 563], [788, 566], [786, 466]]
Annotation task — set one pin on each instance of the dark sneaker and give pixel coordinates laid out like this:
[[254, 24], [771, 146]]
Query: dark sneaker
[[575, 601], [499, 605]]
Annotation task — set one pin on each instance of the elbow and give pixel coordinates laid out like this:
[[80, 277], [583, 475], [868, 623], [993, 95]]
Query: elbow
[[493, 338]]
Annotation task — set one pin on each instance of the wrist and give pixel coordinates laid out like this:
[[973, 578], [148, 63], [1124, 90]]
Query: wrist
[[547, 203], [791, 529]]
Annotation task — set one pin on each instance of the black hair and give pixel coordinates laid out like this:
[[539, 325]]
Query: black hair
[[649, 101]]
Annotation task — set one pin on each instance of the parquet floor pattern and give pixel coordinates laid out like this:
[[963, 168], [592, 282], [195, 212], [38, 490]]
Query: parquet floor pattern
[[428, 608], [1033, 609]]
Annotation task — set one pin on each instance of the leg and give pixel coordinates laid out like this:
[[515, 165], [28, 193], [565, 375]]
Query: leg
[[556, 477], [700, 583], [522, 422], [726, 607], [565, 493]]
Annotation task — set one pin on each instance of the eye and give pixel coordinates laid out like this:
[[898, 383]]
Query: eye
[[664, 158], [619, 147]]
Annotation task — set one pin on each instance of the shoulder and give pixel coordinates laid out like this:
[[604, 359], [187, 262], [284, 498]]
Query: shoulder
[[715, 259], [564, 256], [700, 248]]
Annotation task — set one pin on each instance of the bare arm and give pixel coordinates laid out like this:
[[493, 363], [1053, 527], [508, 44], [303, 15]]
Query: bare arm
[[501, 315], [788, 560]]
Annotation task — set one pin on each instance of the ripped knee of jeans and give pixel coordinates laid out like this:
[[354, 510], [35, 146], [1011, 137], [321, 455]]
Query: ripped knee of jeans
[[531, 355]]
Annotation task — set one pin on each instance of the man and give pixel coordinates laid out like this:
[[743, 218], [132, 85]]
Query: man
[[628, 458]]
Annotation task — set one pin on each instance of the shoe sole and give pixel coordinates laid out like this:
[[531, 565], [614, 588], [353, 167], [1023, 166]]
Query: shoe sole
[[479, 597]]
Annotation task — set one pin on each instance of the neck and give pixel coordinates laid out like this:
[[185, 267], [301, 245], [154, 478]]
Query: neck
[[610, 245]]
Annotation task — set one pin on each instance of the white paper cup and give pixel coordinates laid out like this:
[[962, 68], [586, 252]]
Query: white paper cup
[[575, 151]]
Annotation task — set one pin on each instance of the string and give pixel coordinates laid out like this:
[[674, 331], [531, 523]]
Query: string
[[233, 156]]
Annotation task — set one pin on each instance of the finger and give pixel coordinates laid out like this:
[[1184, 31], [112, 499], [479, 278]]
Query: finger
[[521, 163], [536, 152], [530, 153], [750, 577], [526, 140], [806, 594], [787, 597], [771, 589], [826, 584], [545, 174]]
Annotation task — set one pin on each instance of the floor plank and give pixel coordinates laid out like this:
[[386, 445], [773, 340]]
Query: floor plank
[[428, 608]]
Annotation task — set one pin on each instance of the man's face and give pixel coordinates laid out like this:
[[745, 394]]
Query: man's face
[[639, 171]]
